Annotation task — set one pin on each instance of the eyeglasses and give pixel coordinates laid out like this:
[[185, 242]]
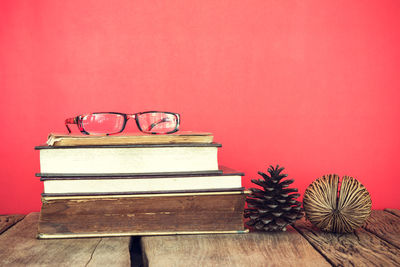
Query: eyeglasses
[[107, 123]]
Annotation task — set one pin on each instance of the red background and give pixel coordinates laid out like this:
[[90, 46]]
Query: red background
[[311, 85]]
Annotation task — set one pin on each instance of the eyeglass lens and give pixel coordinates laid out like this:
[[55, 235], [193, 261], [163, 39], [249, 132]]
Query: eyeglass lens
[[157, 122], [110, 123], [103, 123]]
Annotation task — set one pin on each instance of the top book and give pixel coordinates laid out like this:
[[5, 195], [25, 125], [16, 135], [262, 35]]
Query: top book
[[55, 139]]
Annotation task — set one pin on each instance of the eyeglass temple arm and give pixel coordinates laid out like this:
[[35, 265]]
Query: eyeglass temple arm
[[161, 121], [69, 121]]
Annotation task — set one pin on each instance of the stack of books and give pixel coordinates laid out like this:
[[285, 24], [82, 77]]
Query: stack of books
[[137, 185]]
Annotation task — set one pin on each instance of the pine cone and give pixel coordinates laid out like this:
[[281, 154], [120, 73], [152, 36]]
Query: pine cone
[[274, 207]]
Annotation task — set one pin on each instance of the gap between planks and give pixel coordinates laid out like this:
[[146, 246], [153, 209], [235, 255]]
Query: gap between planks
[[393, 211], [7, 221]]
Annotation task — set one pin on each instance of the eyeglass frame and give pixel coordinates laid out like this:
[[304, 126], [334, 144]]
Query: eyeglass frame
[[78, 121]]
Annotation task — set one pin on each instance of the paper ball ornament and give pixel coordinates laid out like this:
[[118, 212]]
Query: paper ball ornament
[[334, 206]]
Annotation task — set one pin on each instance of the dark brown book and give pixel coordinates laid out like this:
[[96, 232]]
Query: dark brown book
[[145, 214]]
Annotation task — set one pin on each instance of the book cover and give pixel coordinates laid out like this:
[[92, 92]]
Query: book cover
[[149, 158], [133, 184], [55, 139], [147, 214]]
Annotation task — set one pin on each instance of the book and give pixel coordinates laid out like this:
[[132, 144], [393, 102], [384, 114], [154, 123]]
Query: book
[[134, 184], [118, 159], [146, 214], [55, 139]]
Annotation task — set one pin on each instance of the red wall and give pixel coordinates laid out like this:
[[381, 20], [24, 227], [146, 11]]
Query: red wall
[[311, 85]]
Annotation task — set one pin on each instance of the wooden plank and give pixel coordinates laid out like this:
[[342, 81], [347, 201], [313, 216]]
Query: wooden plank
[[111, 252], [384, 225], [19, 246], [253, 249], [394, 212], [360, 248], [6, 221]]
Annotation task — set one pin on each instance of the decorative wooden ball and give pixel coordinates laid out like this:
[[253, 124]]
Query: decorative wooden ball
[[337, 207]]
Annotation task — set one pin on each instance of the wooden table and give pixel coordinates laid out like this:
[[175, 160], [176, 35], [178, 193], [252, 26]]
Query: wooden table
[[376, 244]]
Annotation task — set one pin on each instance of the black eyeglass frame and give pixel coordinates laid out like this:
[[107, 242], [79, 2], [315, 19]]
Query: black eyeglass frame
[[78, 121]]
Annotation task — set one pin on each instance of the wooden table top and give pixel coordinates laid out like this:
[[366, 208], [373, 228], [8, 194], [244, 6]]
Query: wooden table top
[[376, 244]]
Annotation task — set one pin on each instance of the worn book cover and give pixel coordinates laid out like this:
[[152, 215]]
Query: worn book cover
[[55, 139], [146, 214]]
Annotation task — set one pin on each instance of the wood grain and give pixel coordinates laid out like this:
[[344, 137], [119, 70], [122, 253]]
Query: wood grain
[[385, 225], [394, 212], [6, 221], [143, 213], [19, 247], [360, 248], [254, 249]]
